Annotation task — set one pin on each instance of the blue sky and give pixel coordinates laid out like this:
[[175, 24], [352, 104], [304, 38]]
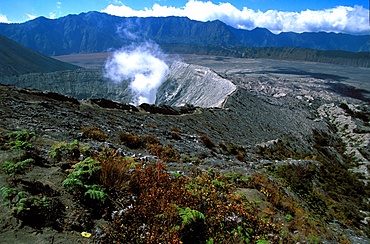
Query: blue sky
[[277, 15]]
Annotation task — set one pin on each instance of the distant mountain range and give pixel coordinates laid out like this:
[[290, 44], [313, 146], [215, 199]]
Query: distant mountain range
[[99, 32], [16, 59]]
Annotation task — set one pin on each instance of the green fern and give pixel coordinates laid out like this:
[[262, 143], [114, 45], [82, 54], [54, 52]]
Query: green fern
[[7, 194], [78, 181], [242, 233], [58, 149], [21, 139], [12, 169], [86, 168], [21, 205], [22, 135], [72, 184], [95, 192], [189, 215], [39, 202]]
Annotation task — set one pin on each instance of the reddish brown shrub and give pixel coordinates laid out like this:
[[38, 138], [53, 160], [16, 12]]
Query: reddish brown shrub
[[206, 141], [94, 133], [165, 153]]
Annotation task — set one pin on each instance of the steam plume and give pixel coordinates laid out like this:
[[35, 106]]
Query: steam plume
[[142, 66]]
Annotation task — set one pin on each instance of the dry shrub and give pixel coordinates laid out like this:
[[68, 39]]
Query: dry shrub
[[241, 157], [154, 217], [114, 171], [151, 140], [175, 129], [175, 136], [131, 141], [206, 141], [136, 142], [165, 153], [94, 133]]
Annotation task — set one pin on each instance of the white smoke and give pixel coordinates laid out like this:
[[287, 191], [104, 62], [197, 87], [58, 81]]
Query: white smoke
[[143, 66]]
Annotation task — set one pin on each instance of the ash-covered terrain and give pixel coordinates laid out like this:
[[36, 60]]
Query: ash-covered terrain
[[301, 127]]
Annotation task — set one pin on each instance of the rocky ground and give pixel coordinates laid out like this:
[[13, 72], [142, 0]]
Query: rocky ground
[[269, 120]]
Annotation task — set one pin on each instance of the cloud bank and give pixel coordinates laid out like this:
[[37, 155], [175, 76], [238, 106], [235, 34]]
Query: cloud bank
[[4, 19], [341, 19]]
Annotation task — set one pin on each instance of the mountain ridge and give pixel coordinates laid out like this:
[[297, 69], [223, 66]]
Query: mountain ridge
[[16, 59], [98, 32]]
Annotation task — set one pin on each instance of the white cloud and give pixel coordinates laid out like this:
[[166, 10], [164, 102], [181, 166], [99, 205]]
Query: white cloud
[[31, 16], [52, 15], [342, 19], [4, 19], [57, 12]]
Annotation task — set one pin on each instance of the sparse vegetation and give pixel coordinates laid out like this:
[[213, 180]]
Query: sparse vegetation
[[94, 133], [164, 153], [184, 209], [281, 150], [68, 151], [20, 139], [233, 149], [13, 169], [137, 142], [206, 141], [21, 201], [81, 181], [148, 203]]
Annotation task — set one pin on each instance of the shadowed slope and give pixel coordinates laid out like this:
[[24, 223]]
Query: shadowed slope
[[16, 59]]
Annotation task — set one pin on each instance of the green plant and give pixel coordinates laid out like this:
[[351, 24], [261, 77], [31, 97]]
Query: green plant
[[288, 217], [242, 234], [64, 149], [189, 215], [36, 201], [237, 179], [219, 183], [7, 194], [210, 241], [95, 192], [13, 169], [21, 204], [20, 139], [81, 181], [20, 201]]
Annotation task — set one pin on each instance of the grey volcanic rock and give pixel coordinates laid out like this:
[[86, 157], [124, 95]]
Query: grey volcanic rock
[[194, 84], [185, 84], [81, 84]]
